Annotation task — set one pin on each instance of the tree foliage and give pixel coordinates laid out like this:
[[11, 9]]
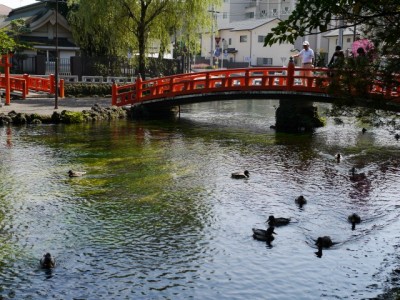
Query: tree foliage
[[7, 43], [117, 27], [10, 37], [317, 16], [377, 20]]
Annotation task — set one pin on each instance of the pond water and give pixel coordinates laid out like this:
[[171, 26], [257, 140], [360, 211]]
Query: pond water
[[157, 215]]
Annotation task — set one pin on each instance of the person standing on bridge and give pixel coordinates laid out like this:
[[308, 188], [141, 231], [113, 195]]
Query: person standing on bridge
[[307, 58]]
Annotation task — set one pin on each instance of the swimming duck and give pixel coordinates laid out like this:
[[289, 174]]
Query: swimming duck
[[239, 175], [264, 235], [364, 130], [272, 221], [356, 176], [75, 173], [397, 136], [300, 200], [47, 261], [354, 219], [338, 157], [323, 242]]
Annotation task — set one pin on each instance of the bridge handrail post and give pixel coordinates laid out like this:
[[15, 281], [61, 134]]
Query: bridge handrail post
[[52, 84], [138, 88], [61, 89], [114, 92], [6, 64], [26, 89], [290, 73], [207, 80], [247, 78]]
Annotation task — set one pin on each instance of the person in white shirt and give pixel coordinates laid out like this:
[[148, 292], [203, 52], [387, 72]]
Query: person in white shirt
[[307, 55], [307, 58]]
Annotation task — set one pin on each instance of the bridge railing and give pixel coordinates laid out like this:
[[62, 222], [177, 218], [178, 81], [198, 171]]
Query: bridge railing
[[24, 83], [16, 84], [288, 78]]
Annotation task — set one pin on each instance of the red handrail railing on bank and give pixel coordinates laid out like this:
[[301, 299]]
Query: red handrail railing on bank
[[25, 83], [277, 79]]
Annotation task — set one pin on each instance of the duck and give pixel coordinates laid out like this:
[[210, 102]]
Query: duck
[[397, 136], [356, 176], [338, 157], [47, 261], [240, 175], [264, 235], [76, 173], [354, 219], [323, 242], [364, 130], [300, 200], [272, 221]]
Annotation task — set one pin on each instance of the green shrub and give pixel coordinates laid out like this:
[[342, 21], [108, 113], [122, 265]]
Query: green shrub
[[87, 89]]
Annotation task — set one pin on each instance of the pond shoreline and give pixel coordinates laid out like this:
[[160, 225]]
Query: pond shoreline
[[69, 110]]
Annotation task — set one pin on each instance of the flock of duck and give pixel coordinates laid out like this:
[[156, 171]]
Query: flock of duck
[[266, 235]]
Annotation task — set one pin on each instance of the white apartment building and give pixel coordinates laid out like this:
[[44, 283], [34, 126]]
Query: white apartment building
[[241, 24], [243, 41]]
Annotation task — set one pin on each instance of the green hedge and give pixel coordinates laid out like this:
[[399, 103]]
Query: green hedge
[[79, 89]]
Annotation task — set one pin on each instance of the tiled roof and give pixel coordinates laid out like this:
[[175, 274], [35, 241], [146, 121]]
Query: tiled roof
[[44, 41], [4, 10]]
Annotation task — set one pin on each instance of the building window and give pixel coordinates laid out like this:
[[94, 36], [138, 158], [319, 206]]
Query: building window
[[264, 61], [250, 15], [225, 15], [285, 10], [349, 40], [261, 38], [243, 38], [230, 41]]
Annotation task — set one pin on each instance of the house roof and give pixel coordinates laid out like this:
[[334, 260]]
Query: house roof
[[44, 42], [36, 17], [346, 31], [4, 10], [247, 24], [28, 13]]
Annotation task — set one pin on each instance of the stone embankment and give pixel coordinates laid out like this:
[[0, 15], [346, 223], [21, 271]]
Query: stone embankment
[[73, 110], [96, 113]]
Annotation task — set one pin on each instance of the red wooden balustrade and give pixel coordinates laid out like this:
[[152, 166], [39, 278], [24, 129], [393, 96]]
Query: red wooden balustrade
[[276, 79], [25, 83]]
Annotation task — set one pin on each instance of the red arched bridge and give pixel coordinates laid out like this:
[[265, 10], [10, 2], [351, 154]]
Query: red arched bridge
[[264, 82]]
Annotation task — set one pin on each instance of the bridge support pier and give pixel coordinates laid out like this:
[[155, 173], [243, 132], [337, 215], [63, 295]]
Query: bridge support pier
[[297, 116], [145, 112]]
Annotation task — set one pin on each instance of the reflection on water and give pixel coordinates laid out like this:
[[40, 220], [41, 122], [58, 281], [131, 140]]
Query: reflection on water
[[158, 216]]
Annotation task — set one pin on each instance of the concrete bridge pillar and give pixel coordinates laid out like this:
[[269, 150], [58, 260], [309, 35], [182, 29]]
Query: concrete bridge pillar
[[295, 115]]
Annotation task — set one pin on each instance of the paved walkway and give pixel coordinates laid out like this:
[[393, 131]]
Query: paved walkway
[[45, 106]]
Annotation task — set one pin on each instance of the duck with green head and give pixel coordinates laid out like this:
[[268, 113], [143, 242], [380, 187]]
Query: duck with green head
[[323, 242], [300, 201], [354, 219], [272, 221], [264, 235], [47, 261]]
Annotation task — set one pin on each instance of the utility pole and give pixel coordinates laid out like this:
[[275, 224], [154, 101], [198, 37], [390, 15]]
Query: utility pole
[[214, 12], [56, 64]]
